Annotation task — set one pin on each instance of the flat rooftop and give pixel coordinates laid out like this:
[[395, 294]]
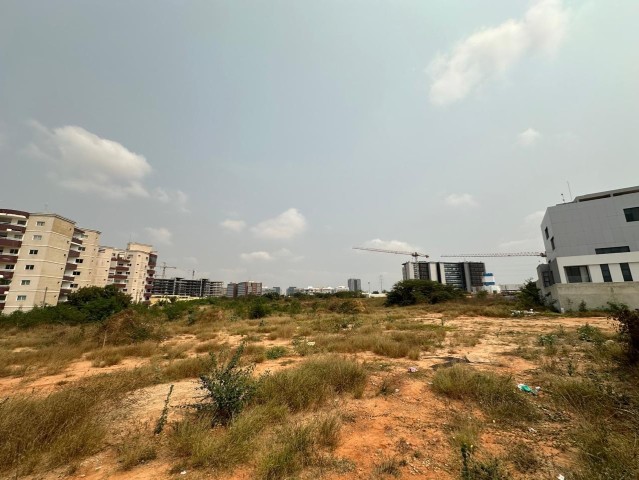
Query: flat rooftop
[[610, 193]]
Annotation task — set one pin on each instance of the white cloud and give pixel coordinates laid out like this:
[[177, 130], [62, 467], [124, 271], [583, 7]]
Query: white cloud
[[490, 52], [86, 163], [233, 225], [529, 233], [528, 137], [286, 225], [461, 200], [390, 245], [159, 235], [260, 256]]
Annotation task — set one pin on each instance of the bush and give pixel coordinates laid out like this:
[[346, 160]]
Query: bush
[[97, 303], [125, 327], [228, 389], [529, 296], [274, 353], [629, 330], [258, 309], [411, 292]]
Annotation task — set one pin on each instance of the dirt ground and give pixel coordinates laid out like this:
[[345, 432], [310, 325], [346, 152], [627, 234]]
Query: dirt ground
[[411, 422]]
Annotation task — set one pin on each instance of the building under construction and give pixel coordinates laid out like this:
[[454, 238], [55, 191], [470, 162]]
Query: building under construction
[[183, 287], [467, 276]]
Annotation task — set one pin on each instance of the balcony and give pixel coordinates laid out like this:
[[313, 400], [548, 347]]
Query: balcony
[[8, 242], [9, 227], [70, 266], [68, 278], [65, 291], [74, 254], [121, 269], [119, 276], [13, 213], [6, 274], [150, 272], [4, 289], [149, 280], [76, 240], [8, 259], [119, 285]]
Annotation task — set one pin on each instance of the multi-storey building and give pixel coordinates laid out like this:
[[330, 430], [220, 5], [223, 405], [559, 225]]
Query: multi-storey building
[[291, 291], [592, 250], [354, 285], [231, 290], [276, 290], [184, 287], [463, 275], [44, 257], [249, 288]]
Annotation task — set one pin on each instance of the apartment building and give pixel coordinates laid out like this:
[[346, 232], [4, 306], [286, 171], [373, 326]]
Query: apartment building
[[249, 288], [184, 287], [592, 250], [231, 290], [42, 258], [354, 285], [467, 276]]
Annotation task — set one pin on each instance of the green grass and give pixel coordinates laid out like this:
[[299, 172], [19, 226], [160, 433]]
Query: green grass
[[493, 393]]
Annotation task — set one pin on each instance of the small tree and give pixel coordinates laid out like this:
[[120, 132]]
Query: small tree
[[410, 292], [628, 329], [529, 295]]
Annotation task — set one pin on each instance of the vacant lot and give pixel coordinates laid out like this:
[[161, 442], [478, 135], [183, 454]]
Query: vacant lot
[[333, 389]]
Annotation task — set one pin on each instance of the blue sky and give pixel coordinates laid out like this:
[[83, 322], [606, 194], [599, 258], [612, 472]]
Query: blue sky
[[262, 140]]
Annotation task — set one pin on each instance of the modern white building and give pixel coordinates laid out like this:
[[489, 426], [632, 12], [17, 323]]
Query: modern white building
[[592, 247], [467, 276]]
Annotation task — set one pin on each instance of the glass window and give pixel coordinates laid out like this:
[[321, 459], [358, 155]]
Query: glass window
[[22, 222], [548, 278], [37, 237], [600, 251], [22, 298], [577, 274], [625, 272], [29, 267], [13, 251], [605, 271], [40, 224], [632, 214], [9, 267], [33, 252], [546, 230], [552, 242], [25, 282]]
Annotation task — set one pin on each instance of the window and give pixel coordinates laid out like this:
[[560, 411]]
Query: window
[[74, 285], [76, 273], [13, 251], [22, 222], [632, 214], [552, 242], [548, 278], [33, 252], [79, 260], [9, 267], [546, 230], [82, 249], [625, 272], [22, 298], [40, 224], [37, 237], [605, 272], [600, 251], [578, 274], [25, 282], [29, 267]]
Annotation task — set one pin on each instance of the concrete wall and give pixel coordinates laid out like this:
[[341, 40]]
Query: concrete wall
[[569, 296]]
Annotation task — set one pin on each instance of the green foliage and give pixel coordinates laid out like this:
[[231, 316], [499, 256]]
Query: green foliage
[[588, 333], [529, 296], [411, 292], [473, 469], [274, 353], [98, 303], [228, 388], [258, 309], [629, 330]]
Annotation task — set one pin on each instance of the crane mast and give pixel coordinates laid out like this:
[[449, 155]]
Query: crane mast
[[503, 254], [415, 255]]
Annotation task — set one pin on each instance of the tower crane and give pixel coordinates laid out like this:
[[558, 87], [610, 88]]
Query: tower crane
[[415, 255], [164, 267], [503, 254]]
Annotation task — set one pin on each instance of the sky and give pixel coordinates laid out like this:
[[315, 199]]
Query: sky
[[262, 140]]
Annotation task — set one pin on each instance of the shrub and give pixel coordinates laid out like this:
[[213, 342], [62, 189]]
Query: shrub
[[274, 353], [125, 327], [258, 309], [629, 330], [410, 292], [228, 388], [529, 295], [588, 333]]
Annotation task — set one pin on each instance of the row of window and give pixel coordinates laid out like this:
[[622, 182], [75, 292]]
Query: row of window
[[581, 274]]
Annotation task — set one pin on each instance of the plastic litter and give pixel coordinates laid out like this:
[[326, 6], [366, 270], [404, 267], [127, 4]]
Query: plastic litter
[[310, 344], [561, 477], [412, 369], [183, 472], [525, 388]]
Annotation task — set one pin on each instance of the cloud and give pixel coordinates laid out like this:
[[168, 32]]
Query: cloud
[[490, 52], [461, 200], [86, 163], [528, 137], [233, 225], [286, 225], [529, 234], [159, 235], [390, 245], [260, 256]]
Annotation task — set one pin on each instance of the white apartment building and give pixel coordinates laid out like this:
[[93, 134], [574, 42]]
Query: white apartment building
[[592, 247], [131, 270], [467, 276]]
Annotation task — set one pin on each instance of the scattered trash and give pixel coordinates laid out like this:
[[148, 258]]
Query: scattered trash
[[532, 430], [310, 344], [183, 472], [525, 388], [412, 369], [521, 313], [449, 362], [561, 477]]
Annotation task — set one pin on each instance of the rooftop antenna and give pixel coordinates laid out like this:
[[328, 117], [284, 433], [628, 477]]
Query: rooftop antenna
[[569, 191], [562, 198]]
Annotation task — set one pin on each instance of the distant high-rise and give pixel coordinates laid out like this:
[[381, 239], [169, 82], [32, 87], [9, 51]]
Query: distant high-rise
[[354, 285], [184, 287], [463, 275]]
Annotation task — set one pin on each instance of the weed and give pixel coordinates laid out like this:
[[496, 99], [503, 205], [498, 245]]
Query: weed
[[389, 466], [588, 333], [159, 426], [473, 469], [494, 393], [523, 457], [390, 383], [135, 450], [464, 430], [274, 353]]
